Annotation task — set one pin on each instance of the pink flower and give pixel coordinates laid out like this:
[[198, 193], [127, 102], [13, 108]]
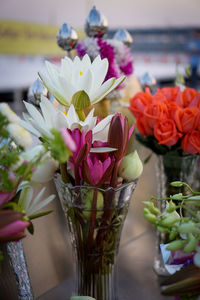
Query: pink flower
[[5, 197], [95, 171], [118, 135], [69, 142], [11, 225]]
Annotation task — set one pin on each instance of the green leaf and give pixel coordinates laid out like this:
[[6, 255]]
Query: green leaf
[[40, 214], [177, 183], [30, 228]]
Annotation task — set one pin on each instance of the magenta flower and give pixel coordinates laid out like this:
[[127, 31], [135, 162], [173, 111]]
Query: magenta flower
[[69, 142], [11, 225], [5, 197], [95, 171], [119, 135]]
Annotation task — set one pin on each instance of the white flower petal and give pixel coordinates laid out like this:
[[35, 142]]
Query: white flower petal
[[102, 91], [99, 71], [102, 149], [72, 116]]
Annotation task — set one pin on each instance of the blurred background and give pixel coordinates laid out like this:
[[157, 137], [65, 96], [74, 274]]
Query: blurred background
[[161, 31]]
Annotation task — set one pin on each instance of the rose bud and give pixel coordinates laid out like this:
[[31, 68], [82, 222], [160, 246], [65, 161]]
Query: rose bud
[[131, 166]]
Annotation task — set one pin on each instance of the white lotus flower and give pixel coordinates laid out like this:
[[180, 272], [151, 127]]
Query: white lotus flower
[[32, 206], [77, 75], [46, 169], [52, 117]]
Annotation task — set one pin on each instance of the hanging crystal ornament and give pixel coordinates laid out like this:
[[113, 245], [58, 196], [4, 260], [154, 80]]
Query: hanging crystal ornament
[[67, 38], [96, 24], [147, 80], [35, 91], [124, 36]]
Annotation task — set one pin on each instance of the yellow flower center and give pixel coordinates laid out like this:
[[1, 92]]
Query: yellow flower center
[[81, 73]]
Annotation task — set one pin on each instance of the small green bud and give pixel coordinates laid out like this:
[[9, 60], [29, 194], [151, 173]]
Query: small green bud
[[171, 207], [178, 196], [191, 245], [169, 221], [151, 218], [81, 100], [177, 183], [176, 245], [153, 209], [146, 211], [131, 166], [173, 234], [189, 227], [162, 229]]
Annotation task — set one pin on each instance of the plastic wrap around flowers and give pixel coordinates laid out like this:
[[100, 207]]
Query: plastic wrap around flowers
[[168, 120], [119, 55]]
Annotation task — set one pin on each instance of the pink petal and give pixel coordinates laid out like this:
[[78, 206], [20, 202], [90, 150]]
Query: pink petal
[[13, 228], [5, 197], [68, 139]]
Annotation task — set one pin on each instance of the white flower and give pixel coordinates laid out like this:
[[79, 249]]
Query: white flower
[[77, 75], [21, 136], [46, 169], [52, 117], [9, 113], [32, 206]]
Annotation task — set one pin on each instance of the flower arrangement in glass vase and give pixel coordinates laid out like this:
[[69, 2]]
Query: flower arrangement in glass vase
[[181, 255], [96, 184], [169, 124]]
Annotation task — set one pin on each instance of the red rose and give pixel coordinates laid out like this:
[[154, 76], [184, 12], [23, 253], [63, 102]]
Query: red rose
[[155, 112], [166, 133], [195, 101], [139, 102], [143, 126], [191, 142], [172, 94], [187, 119], [172, 108], [188, 96]]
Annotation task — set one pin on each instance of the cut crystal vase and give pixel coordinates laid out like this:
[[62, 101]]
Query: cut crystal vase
[[171, 168], [95, 218]]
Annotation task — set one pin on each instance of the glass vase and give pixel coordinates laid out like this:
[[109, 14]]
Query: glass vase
[[95, 218], [171, 168]]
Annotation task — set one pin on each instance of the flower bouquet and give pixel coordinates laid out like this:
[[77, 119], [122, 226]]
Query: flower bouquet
[[181, 255], [96, 184], [169, 124]]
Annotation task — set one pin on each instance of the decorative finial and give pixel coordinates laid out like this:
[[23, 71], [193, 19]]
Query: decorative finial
[[35, 91], [67, 38], [124, 36], [96, 24], [147, 80]]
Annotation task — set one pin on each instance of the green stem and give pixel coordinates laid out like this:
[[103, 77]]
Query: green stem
[[63, 171]]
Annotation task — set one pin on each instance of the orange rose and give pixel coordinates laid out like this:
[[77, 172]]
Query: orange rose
[[172, 108], [188, 96], [155, 112], [139, 102], [187, 119], [195, 101], [191, 142], [172, 94], [143, 126], [166, 133]]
